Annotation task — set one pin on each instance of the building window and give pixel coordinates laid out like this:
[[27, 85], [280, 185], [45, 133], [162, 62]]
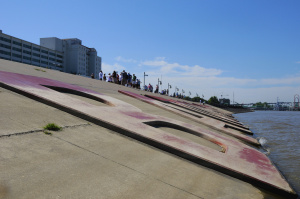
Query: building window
[[5, 39], [43, 56], [35, 54], [44, 51], [26, 46], [36, 49], [17, 43], [16, 55], [27, 52], [36, 60], [52, 59], [59, 56], [4, 52], [1, 57], [5, 46], [27, 58], [60, 61], [17, 49], [44, 62], [50, 53]]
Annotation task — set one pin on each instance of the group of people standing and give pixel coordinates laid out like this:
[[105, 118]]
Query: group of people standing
[[124, 78]]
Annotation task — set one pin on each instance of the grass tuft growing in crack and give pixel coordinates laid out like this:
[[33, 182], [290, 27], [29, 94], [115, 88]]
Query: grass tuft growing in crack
[[47, 132], [52, 127], [39, 69]]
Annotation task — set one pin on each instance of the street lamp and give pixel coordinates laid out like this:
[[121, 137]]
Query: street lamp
[[159, 83], [176, 89], [144, 79], [169, 87]]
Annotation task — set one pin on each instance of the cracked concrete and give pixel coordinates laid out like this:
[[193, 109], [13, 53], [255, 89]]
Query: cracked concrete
[[88, 161], [20, 115], [80, 162], [41, 130]]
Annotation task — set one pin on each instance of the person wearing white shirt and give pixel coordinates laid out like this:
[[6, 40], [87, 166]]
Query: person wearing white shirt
[[100, 75], [109, 78]]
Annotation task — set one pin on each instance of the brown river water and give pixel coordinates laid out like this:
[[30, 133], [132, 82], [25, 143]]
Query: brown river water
[[279, 133]]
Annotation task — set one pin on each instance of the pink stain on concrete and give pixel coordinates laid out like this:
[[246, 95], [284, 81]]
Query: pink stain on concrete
[[257, 158], [138, 115], [211, 122], [239, 158], [160, 98], [38, 82], [131, 94]]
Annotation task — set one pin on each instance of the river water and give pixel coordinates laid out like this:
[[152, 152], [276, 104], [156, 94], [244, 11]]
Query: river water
[[279, 132]]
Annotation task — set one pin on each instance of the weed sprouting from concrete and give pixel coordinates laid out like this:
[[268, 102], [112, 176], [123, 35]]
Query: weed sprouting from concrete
[[52, 127], [47, 132], [39, 69]]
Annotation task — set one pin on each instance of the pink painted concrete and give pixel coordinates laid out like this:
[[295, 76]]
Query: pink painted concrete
[[238, 159], [212, 123], [210, 113]]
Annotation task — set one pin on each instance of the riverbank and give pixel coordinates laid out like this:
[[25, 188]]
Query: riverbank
[[237, 110], [279, 133], [87, 160]]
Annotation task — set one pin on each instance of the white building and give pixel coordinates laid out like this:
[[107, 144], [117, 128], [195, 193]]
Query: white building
[[18, 50], [79, 59], [67, 55]]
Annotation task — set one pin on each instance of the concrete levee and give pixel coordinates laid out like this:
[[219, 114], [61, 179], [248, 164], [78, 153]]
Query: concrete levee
[[85, 160]]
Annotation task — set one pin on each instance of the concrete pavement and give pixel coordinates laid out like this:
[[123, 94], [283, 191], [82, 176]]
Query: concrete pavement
[[88, 161]]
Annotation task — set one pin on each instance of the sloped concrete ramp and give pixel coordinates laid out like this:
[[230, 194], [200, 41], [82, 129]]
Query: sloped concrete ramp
[[234, 158], [234, 131]]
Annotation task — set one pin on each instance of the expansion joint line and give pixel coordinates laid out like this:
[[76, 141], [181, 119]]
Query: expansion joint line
[[123, 165], [41, 130], [21, 133]]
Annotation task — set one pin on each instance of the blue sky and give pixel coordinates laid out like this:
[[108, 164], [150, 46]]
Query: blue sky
[[247, 47]]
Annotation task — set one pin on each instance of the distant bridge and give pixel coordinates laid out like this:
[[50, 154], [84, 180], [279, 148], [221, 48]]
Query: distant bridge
[[280, 106]]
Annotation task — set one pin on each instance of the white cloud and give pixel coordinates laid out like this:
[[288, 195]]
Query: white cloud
[[209, 82], [210, 76], [159, 61], [249, 95], [285, 81], [298, 62], [107, 68], [245, 90], [165, 68], [121, 59]]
